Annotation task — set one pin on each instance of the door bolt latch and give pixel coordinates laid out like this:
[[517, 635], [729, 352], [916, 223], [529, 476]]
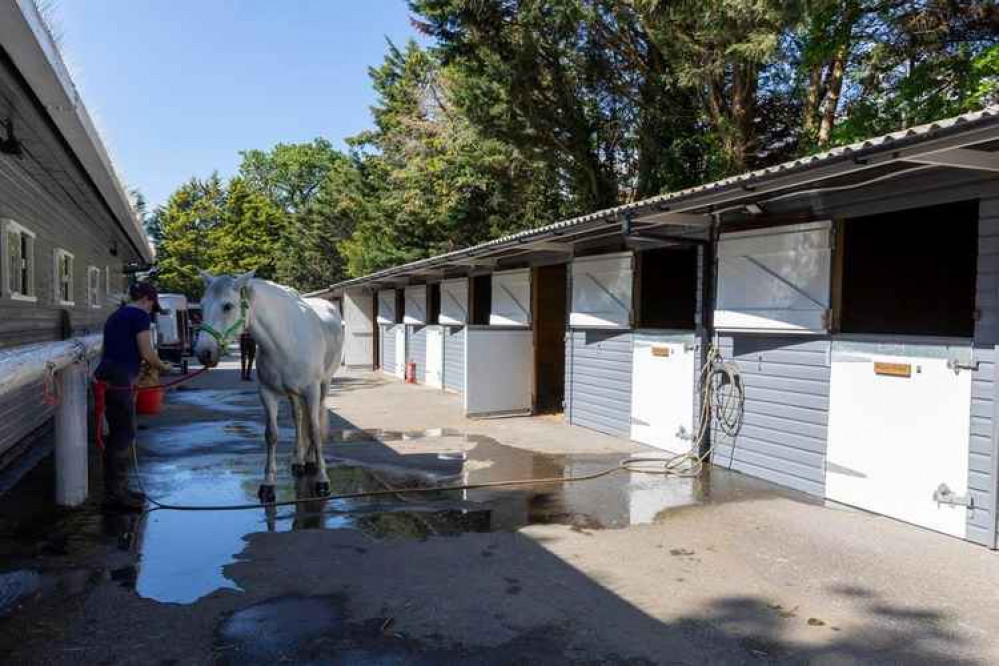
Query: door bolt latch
[[957, 366], [944, 495]]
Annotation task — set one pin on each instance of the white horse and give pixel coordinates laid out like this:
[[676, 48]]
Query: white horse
[[300, 344]]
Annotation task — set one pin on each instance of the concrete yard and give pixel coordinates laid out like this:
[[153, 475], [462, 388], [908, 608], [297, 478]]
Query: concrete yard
[[627, 568]]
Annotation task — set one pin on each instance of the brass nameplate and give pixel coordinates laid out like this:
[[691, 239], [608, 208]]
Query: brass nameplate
[[660, 351], [893, 369]]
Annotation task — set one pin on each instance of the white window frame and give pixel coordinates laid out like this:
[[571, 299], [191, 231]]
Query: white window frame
[[511, 288], [777, 279], [31, 294], [454, 302], [94, 287], [415, 311], [58, 255], [602, 289]]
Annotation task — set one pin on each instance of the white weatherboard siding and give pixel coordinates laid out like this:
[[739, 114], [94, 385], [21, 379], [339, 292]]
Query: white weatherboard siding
[[416, 305], [388, 349], [601, 291], [983, 459], [400, 351], [775, 279], [386, 307], [499, 370], [511, 298], [416, 350], [662, 403], [454, 302], [784, 427], [454, 358], [893, 440], [598, 380], [359, 343]]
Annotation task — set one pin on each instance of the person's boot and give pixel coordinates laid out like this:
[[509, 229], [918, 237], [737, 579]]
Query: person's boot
[[117, 495]]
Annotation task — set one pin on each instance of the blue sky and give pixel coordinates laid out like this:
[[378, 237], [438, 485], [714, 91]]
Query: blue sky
[[179, 87]]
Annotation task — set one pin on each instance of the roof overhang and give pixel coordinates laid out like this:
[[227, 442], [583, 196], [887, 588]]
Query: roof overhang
[[964, 142], [28, 43]]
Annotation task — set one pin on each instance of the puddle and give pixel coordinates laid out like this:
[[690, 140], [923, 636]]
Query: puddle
[[182, 555]]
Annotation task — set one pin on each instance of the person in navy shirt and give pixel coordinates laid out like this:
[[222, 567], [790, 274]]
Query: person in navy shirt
[[127, 342]]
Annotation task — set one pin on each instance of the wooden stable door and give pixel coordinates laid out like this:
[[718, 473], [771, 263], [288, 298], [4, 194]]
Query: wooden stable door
[[550, 317]]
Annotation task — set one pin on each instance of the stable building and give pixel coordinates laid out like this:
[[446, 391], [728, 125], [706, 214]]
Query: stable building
[[67, 228], [855, 292]]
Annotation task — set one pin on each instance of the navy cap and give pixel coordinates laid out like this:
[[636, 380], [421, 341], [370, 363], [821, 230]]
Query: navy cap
[[145, 290]]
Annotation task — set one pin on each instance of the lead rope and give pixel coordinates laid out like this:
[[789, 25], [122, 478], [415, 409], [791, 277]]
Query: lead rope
[[717, 402]]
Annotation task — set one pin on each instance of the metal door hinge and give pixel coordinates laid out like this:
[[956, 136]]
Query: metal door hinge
[[944, 495]]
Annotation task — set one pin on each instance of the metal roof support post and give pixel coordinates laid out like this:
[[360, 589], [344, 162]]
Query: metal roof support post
[[709, 286], [71, 436]]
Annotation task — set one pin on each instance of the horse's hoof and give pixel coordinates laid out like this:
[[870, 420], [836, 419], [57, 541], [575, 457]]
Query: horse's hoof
[[266, 494], [322, 489], [311, 468], [298, 469]]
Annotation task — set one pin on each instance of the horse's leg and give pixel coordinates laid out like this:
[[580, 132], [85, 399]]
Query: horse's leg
[[269, 399], [313, 400], [312, 460], [298, 466], [324, 414]]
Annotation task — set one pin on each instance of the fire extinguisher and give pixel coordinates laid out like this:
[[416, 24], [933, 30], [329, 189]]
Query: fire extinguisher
[[411, 372]]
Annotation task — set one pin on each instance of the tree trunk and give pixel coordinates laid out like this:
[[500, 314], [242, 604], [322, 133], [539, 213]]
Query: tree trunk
[[743, 114], [835, 88], [813, 100]]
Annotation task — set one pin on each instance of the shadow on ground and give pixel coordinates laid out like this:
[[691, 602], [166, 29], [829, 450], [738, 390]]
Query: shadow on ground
[[443, 578]]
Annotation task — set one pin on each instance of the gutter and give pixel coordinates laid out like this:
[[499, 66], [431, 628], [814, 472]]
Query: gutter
[[693, 206], [26, 42]]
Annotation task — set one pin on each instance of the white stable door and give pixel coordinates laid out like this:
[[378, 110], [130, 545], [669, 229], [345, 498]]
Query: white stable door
[[499, 370], [662, 393], [435, 357], [400, 351], [898, 429]]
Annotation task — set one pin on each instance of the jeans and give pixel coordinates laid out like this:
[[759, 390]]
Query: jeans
[[119, 408]]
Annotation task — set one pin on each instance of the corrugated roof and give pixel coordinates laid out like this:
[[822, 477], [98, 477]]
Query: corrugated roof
[[855, 151]]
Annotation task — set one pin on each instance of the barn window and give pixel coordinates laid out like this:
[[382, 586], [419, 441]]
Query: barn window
[[93, 286], [911, 272], [434, 303], [667, 288], [63, 277], [19, 264]]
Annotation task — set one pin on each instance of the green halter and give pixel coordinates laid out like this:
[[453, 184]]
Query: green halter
[[223, 339]]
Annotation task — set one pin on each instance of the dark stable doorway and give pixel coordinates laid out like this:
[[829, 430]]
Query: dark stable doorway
[[667, 288], [481, 300], [550, 320], [911, 272]]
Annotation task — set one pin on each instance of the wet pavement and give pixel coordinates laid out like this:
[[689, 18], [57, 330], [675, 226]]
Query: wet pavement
[[456, 576], [201, 460]]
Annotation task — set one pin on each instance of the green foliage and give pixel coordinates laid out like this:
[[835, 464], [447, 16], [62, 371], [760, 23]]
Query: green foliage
[[525, 112], [250, 234], [434, 181], [189, 222]]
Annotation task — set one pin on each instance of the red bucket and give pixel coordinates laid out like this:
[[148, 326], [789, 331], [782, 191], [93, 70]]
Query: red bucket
[[149, 401]]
